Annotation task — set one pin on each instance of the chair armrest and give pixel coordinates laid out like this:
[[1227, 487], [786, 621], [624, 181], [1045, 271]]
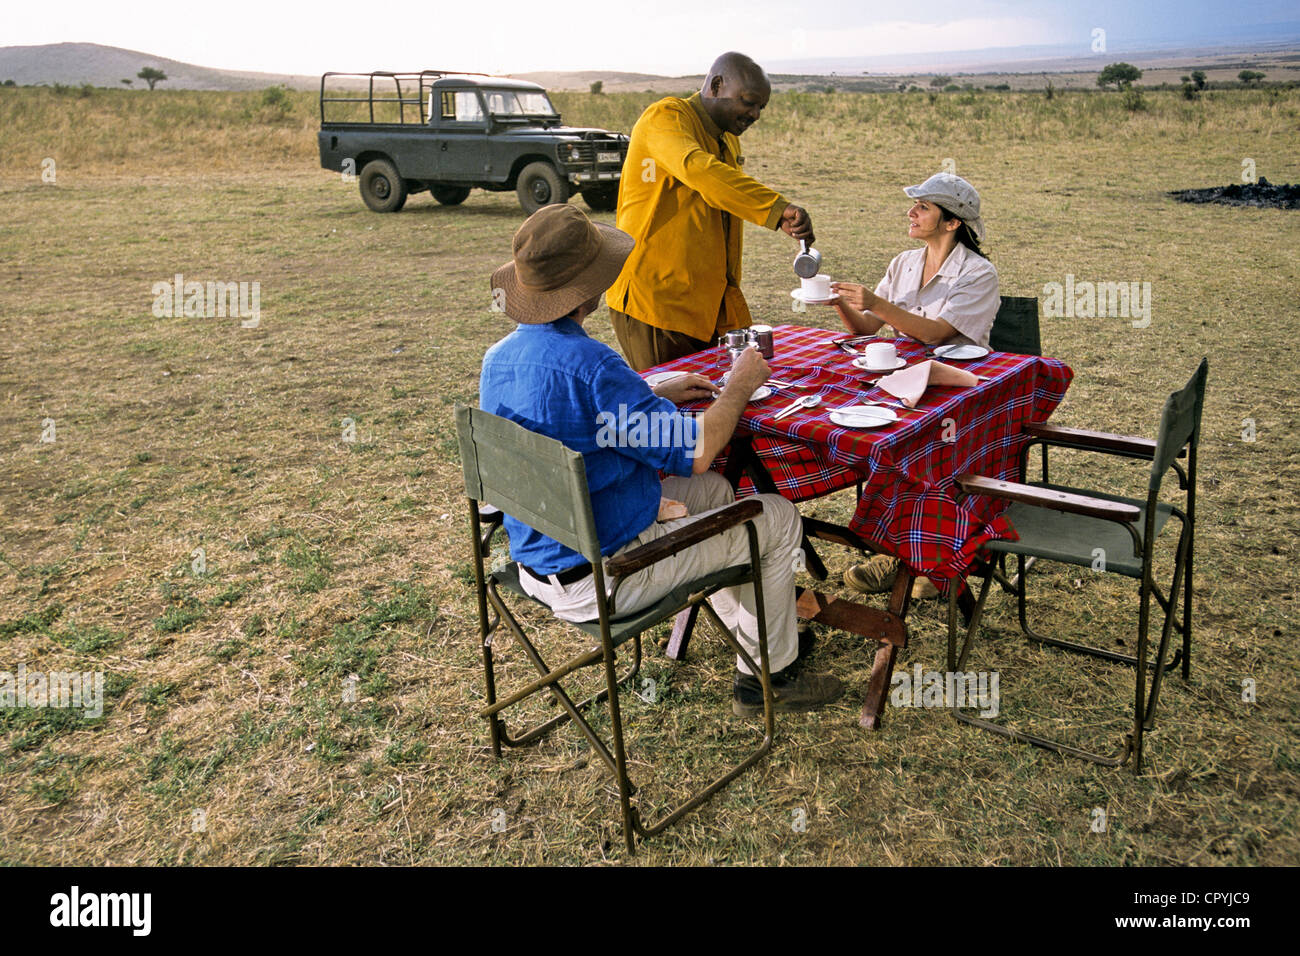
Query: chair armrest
[[1094, 441], [1048, 498], [685, 536]]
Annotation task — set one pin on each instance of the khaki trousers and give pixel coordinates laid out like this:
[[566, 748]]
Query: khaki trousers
[[645, 346], [780, 532]]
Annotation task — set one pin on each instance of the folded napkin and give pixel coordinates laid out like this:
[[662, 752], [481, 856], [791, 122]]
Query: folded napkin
[[910, 384]]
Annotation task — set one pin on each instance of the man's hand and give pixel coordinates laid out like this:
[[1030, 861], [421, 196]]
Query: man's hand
[[670, 510], [797, 224], [750, 371], [687, 387]]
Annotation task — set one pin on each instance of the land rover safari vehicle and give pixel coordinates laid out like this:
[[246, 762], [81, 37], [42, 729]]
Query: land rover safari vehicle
[[403, 133]]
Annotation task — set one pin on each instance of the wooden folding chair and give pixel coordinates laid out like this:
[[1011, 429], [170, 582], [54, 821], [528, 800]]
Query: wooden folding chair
[[1075, 526], [544, 485]]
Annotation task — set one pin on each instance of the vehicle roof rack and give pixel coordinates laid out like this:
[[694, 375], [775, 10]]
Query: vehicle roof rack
[[421, 77]]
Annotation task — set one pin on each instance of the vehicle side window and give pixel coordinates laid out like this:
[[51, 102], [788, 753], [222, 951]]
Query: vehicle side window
[[462, 106]]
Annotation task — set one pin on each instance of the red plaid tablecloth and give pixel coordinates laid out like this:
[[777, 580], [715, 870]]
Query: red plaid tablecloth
[[907, 468]]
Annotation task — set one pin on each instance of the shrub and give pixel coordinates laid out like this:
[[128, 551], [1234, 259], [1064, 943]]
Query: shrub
[[276, 99], [1133, 100]]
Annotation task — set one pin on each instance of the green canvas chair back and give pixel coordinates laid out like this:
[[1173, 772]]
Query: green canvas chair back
[[532, 478], [1015, 327], [1180, 426]]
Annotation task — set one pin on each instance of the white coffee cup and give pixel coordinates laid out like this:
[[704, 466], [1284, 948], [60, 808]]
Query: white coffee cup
[[881, 355], [818, 287]]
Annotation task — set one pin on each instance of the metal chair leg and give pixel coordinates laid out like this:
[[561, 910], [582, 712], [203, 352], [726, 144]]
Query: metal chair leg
[[957, 662]]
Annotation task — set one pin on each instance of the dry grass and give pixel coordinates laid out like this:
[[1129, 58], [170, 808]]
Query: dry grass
[[327, 559]]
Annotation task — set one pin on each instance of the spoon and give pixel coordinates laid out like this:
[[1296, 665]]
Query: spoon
[[806, 401]]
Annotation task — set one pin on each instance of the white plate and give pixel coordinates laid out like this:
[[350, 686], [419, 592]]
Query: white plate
[[760, 393], [658, 378], [798, 294], [863, 416], [861, 362], [961, 353]]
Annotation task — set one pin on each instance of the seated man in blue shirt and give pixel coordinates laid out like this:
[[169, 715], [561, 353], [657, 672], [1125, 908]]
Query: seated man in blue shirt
[[552, 378]]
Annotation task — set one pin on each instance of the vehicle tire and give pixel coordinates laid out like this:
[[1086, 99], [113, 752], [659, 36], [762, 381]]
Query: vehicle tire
[[540, 185], [449, 195], [381, 188], [601, 198]]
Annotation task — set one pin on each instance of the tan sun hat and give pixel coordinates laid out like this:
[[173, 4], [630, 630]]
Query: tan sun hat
[[955, 195], [562, 259]]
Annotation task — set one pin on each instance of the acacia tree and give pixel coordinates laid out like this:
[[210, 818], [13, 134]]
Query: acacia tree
[[151, 76], [940, 81], [1123, 75], [1250, 77], [1198, 77]]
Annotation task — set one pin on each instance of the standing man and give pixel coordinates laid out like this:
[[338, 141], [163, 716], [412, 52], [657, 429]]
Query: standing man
[[680, 195]]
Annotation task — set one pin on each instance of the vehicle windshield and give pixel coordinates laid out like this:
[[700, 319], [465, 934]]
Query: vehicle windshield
[[518, 103]]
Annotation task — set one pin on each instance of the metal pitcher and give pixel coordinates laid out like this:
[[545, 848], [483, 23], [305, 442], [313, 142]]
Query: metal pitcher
[[807, 262]]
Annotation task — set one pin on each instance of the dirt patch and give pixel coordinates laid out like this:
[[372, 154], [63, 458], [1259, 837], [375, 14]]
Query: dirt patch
[[1262, 194]]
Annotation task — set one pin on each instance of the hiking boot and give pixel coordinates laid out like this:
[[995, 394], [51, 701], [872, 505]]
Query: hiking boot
[[873, 576], [800, 691]]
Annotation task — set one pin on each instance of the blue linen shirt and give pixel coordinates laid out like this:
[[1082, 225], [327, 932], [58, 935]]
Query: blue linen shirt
[[556, 380]]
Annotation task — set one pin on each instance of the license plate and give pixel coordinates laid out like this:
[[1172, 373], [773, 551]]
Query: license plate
[[609, 158]]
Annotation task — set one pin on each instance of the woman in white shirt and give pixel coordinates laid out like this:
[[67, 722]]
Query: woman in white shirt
[[945, 291]]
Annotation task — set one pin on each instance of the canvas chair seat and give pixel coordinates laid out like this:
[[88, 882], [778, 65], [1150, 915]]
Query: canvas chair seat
[[621, 629], [1073, 538]]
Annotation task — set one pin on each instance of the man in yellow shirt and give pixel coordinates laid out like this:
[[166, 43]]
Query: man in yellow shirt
[[681, 187]]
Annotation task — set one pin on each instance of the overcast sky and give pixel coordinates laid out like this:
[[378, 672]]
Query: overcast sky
[[670, 37]]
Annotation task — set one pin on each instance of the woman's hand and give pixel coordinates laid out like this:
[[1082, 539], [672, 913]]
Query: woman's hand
[[687, 387], [857, 296]]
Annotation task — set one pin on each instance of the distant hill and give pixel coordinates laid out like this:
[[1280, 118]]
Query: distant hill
[[77, 63], [613, 82]]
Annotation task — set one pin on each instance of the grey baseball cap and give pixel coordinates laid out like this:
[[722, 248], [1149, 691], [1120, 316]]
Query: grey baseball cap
[[955, 195]]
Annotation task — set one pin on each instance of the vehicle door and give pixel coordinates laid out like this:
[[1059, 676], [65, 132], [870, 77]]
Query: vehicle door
[[462, 135]]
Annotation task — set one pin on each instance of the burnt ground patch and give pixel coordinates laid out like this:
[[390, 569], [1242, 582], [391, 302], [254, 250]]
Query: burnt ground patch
[[1262, 194]]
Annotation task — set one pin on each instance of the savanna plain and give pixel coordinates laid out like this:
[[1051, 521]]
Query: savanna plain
[[285, 619]]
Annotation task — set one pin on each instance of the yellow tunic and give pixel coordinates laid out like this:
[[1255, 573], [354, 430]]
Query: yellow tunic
[[681, 184]]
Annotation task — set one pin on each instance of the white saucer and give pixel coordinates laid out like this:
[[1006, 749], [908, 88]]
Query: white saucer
[[658, 378], [798, 294], [864, 416], [861, 362], [961, 353], [760, 393]]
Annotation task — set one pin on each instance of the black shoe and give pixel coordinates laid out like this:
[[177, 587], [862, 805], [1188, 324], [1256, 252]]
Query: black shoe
[[793, 691]]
